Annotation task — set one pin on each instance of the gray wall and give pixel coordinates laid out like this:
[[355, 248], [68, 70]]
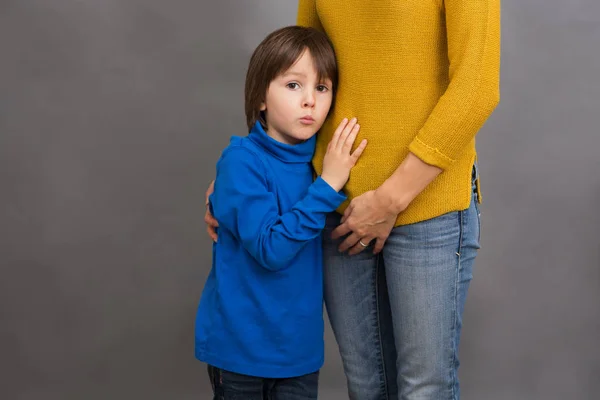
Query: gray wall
[[112, 114]]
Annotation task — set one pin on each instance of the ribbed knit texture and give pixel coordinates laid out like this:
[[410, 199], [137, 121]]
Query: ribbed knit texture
[[420, 76]]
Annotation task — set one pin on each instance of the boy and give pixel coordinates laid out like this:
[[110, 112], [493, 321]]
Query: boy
[[260, 321]]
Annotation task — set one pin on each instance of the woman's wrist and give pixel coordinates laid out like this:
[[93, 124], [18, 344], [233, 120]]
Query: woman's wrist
[[410, 178], [394, 199]]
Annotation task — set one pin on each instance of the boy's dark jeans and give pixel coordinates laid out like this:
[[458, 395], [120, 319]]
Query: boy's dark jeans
[[231, 386]]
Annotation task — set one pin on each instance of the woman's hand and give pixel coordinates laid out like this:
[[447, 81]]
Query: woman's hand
[[370, 216], [211, 222]]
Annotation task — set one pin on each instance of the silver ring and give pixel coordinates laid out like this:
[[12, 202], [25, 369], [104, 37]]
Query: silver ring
[[362, 244]]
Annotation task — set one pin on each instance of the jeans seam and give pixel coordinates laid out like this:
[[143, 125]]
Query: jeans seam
[[461, 220], [381, 356], [478, 211]]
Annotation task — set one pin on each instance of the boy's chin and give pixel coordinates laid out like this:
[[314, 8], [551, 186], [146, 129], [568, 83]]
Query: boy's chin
[[306, 133], [303, 137]]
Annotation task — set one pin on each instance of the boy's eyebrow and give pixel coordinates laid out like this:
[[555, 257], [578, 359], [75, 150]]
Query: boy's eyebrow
[[294, 73], [287, 73]]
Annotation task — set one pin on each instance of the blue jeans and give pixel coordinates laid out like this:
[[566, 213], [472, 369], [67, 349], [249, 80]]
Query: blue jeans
[[231, 386], [397, 316]]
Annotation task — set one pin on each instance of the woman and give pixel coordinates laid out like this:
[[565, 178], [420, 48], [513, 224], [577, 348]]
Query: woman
[[422, 77]]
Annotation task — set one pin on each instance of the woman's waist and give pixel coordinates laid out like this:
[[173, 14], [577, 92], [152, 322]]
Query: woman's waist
[[450, 191]]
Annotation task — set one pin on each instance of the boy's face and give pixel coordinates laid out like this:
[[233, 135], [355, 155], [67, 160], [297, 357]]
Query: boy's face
[[297, 103]]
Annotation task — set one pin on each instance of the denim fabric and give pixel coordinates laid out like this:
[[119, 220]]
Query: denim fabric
[[397, 316], [231, 386]]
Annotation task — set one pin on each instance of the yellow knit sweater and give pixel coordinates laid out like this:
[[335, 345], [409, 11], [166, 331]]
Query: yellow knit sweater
[[420, 76]]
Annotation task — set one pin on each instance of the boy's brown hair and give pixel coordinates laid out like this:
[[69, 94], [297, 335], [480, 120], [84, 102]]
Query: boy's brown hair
[[278, 52]]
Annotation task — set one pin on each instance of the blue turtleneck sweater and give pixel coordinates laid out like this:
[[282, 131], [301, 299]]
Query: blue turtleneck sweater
[[261, 311]]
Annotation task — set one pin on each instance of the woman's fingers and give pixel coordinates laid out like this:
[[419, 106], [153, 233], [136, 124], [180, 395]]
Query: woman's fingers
[[340, 231], [349, 242], [360, 246], [378, 246], [209, 191], [211, 232], [211, 224]]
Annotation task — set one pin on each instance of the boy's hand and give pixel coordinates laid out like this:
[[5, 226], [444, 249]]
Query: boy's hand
[[211, 222], [338, 160]]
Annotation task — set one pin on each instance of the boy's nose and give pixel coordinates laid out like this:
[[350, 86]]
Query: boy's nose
[[309, 100]]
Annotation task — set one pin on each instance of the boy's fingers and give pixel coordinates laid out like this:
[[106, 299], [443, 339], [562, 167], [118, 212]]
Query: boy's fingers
[[347, 130], [336, 135], [350, 139], [359, 150]]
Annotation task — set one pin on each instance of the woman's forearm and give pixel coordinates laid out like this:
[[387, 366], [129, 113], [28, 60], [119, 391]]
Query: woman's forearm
[[408, 180]]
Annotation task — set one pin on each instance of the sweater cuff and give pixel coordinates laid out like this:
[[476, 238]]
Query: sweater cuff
[[430, 155], [327, 194]]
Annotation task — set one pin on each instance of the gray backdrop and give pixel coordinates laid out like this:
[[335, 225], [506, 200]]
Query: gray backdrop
[[112, 115]]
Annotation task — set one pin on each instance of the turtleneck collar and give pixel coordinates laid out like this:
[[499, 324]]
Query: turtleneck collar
[[297, 153]]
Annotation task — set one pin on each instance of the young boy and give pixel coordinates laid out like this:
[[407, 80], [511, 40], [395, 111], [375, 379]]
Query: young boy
[[260, 321]]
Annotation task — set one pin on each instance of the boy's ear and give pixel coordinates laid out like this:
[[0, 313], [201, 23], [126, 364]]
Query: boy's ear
[[263, 106]]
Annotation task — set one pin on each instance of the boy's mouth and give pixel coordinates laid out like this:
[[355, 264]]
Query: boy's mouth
[[307, 119]]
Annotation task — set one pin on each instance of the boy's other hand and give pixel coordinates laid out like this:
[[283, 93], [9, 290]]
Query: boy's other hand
[[338, 159], [211, 222]]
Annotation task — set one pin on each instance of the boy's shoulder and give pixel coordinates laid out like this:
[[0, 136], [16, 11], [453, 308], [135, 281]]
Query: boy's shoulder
[[243, 153]]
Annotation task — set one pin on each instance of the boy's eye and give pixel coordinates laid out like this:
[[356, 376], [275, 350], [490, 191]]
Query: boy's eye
[[293, 85], [322, 88]]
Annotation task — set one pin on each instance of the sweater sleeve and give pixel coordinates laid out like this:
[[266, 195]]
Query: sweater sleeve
[[473, 34], [307, 14], [243, 204]]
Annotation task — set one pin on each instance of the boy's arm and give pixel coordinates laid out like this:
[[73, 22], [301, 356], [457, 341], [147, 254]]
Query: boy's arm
[[243, 205], [307, 14]]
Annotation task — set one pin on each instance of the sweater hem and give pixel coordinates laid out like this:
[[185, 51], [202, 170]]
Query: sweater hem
[[260, 370]]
